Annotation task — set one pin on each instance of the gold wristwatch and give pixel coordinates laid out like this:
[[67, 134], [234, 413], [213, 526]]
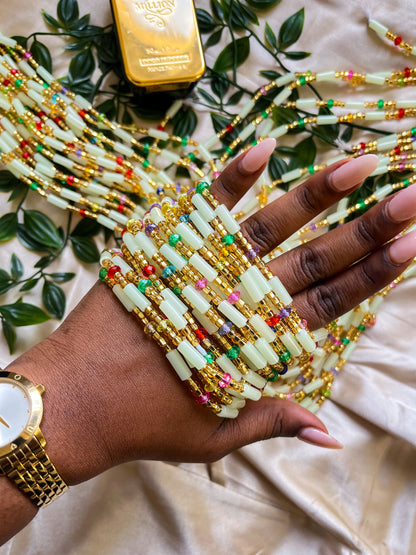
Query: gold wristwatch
[[22, 446]]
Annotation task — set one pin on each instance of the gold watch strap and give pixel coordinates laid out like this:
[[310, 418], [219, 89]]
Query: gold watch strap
[[30, 468]]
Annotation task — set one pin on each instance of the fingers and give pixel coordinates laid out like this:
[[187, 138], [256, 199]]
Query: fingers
[[242, 173], [327, 255], [274, 418], [326, 301], [280, 219]]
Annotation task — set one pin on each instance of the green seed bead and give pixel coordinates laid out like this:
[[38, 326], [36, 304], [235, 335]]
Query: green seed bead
[[301, 124], [17, 83], [146, 148], [334, 325], [311, 169], [273, 377], [209, 357], [184, 141], [254, 143], [101, 117], [145, 163], [302, 80], [34, 186], [264, 114], [229, 150], [103, 274], [31, 126], [380, 104], [45, 86], [413, 131], [400, 82], [406, 182], [330, 103], [345, 340], [233, 352], [143, 285], [228, 239], [200, 188], [285, 356], [191, 156], [39, 148], [326, 392], [176, 290], [361, 327], [174, 239], [361, 204]]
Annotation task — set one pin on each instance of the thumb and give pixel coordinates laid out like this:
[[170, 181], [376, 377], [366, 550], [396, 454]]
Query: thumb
[[275, 418]]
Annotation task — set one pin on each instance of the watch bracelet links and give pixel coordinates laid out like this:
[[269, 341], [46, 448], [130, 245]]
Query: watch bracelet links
[[30, 468]]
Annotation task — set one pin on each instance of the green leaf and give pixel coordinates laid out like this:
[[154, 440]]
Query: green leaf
[[207, 97], [347, 134], [44, 261], [85, 249], [9, 335], [184, 122], [42, 229], [61, 277], [16, 267], [277, 167], [54, 299], [217, 10], [6, 282], [81, 24], [206, 22], [220, 85], [327, 133], [270, 36], [219, 122], [214, 38], [81, 67], [291, 29], [30, 284], [67, 12], [235, 53], [7, 181], [50, 20], [283, 115], [23, 314], [21, 40], [262, 4], [27, 241], [86, 228], [249, 13], [18, 190], [305, 153], [235, 98], [8, 226], [269, 74], [297, 55], [41, 54]]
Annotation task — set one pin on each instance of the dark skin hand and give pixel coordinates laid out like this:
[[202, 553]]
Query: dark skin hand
[[111, 395]]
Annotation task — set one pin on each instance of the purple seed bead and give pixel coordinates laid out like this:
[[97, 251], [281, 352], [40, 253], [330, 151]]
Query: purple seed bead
[[64, 90], [78, 153], [251, 254], [284, 313], [100, 169], [150, 228], [302, 378], [225, 328], [334, 371], [313, 227]]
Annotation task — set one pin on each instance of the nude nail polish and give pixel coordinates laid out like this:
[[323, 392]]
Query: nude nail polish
[[318, 438], [402, 206], [403, 249], [257, 156], [353, 172]]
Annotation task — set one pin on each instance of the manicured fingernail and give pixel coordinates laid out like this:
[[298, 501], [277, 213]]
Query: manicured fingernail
[[403, 205], [353, 172], [257, 156], [403, 249], [318, 438]]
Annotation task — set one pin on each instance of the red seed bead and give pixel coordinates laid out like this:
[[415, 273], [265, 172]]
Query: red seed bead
[[124, 231], [23, 144], [397, 150], [397, 41], [119, 160], [407, 71], [6, 82], [229, 128], [201, 333], [160, 128], [129, 173], [25, 155], [70, 145], [39, 125], [148, 270], [82, 113], [362, 145], [82, 213], [273, 321], [13, 71], [112, 271], [41, 114], [120, 208], [70, 179], [57, 120], [400, 113]]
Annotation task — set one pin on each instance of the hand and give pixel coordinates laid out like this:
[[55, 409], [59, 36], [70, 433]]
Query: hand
[[112, 396]]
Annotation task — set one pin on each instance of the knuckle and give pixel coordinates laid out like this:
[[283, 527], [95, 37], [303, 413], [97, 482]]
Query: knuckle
[[307, 199], [260, 233], [225, 188], [325, 301], [365, 231], [311, 264]]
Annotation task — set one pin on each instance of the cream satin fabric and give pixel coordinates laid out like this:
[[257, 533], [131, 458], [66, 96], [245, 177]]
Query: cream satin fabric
[[280, 496]]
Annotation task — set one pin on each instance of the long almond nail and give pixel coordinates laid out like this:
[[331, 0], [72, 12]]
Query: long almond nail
[[353, 172], [318, 438], [403, 249], [403, 205], [257, 156]]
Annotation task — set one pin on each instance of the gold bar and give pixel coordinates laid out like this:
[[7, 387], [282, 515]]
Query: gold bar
[[160, 43]]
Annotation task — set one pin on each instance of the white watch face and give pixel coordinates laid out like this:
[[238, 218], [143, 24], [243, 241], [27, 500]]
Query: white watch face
[[15, 410]]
